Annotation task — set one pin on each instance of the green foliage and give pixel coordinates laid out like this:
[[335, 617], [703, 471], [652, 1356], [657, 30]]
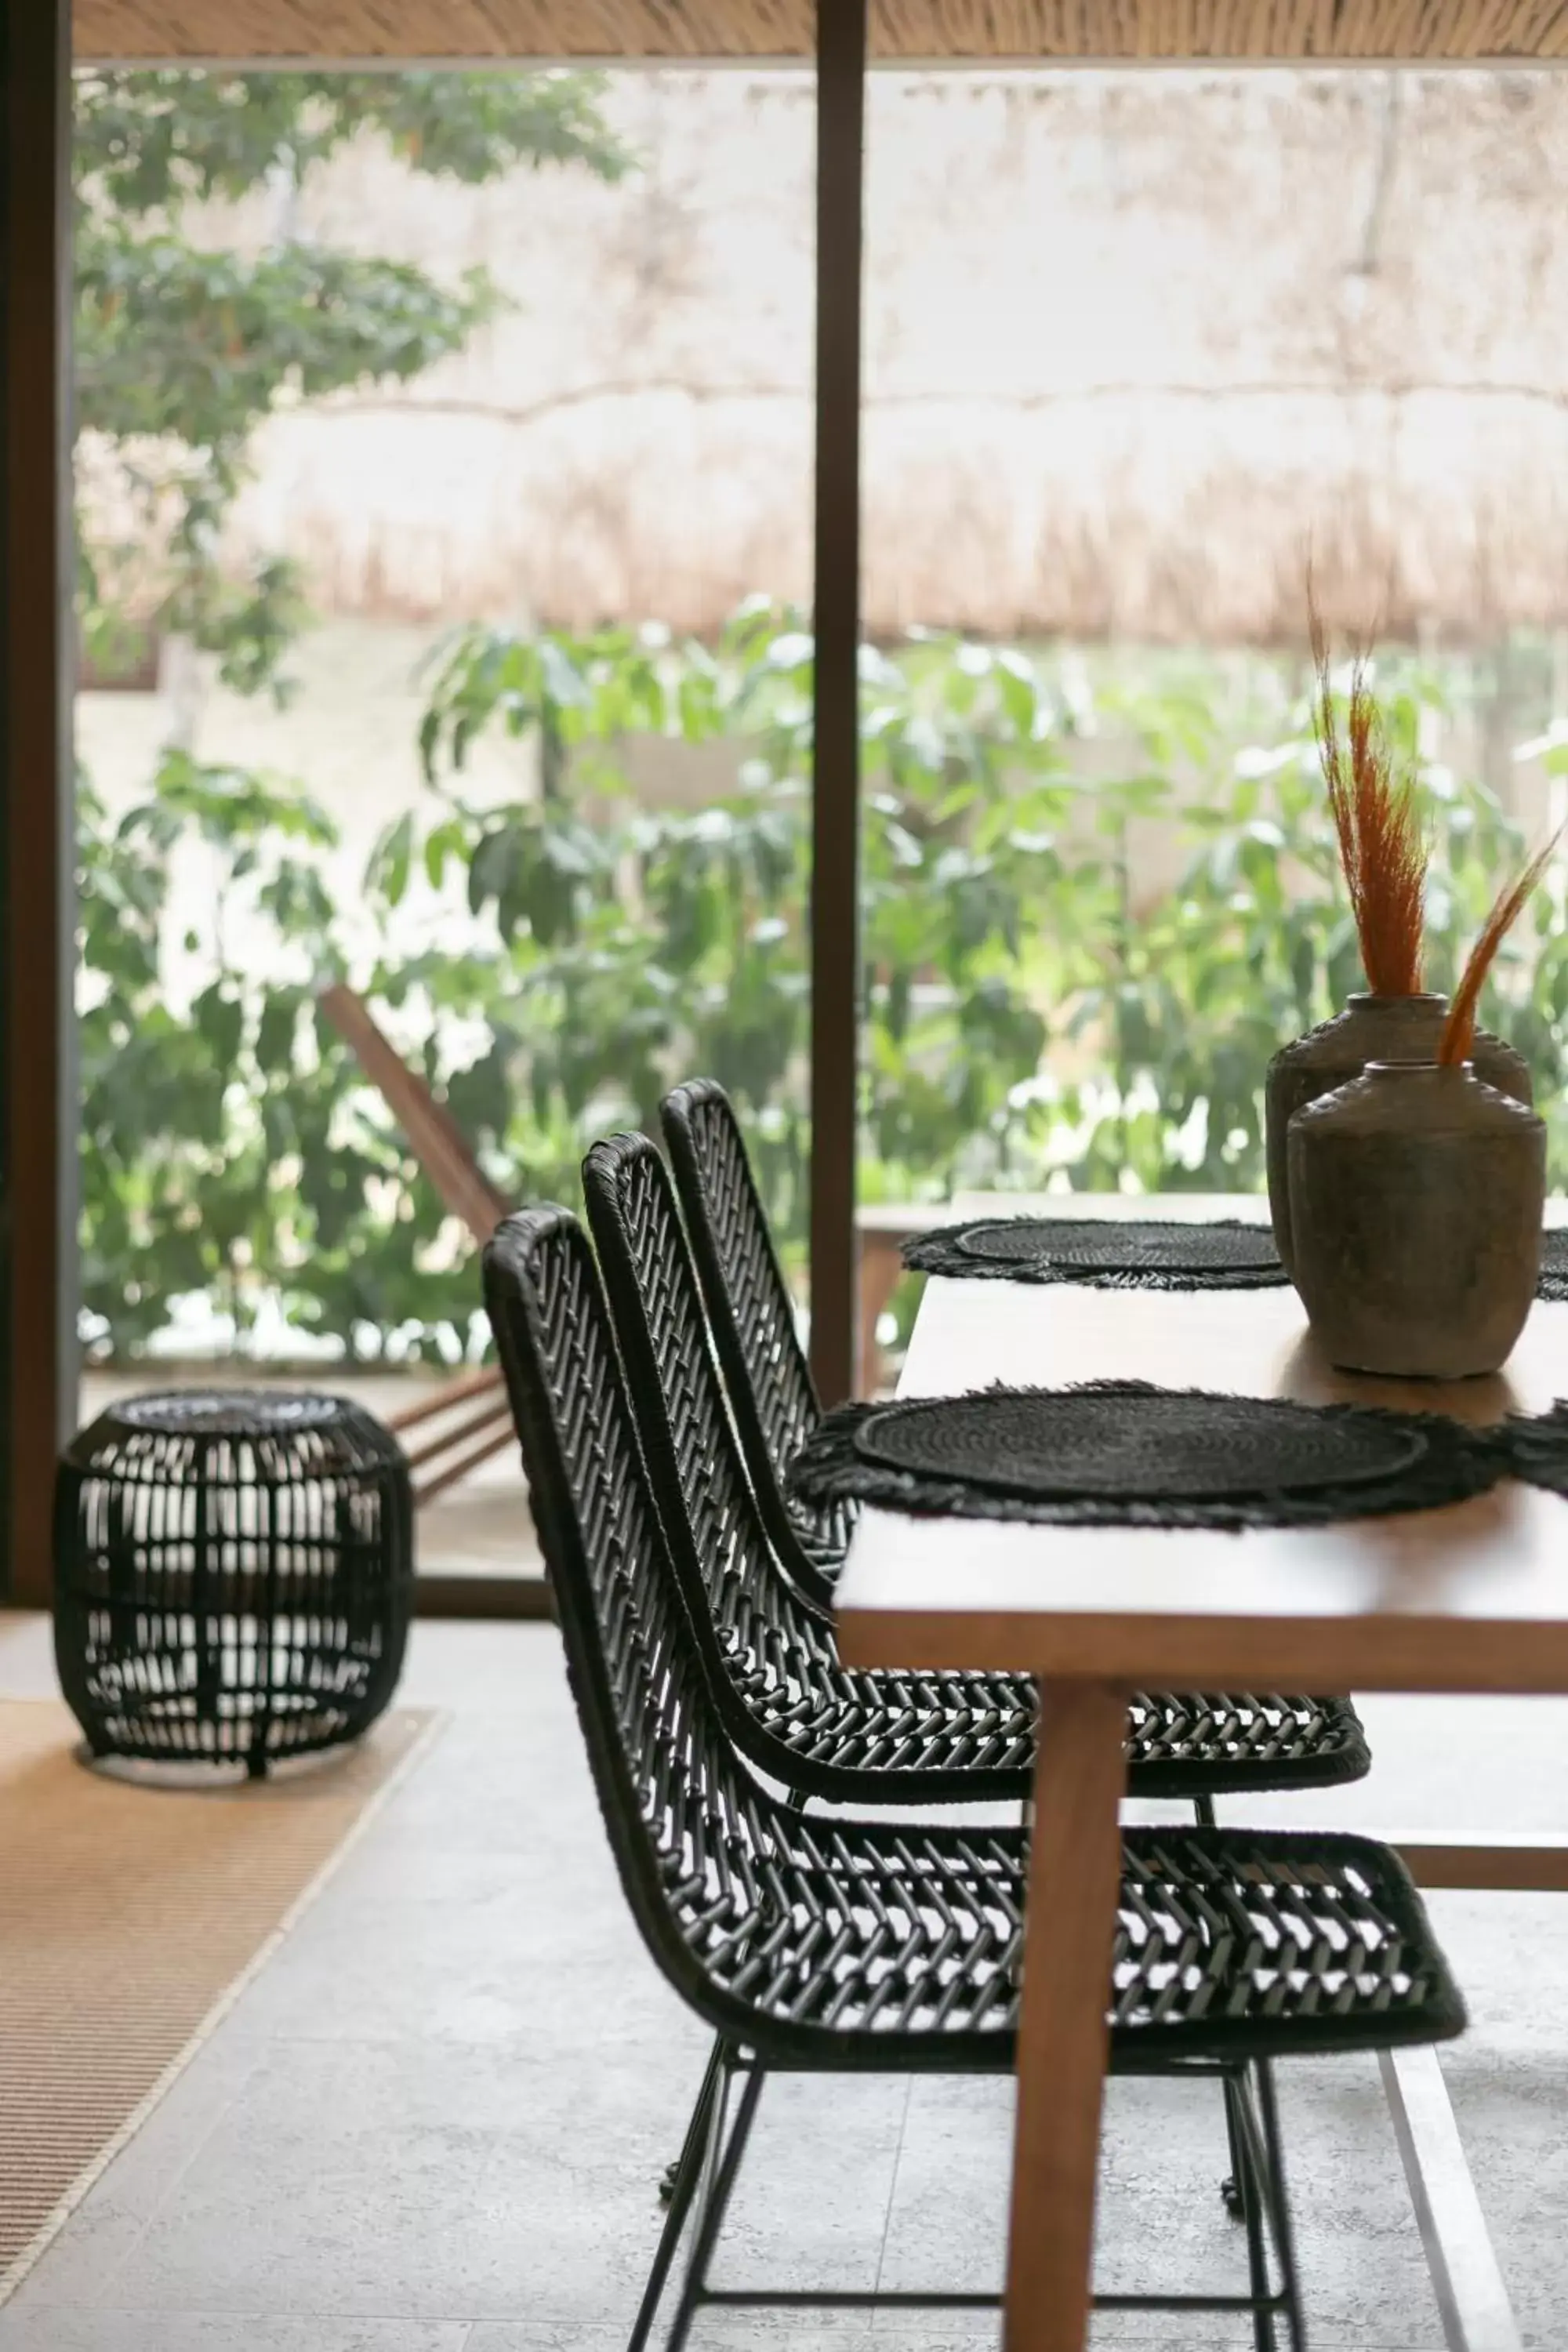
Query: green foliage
[[227, 1145], [150, 141], [182, 349], [1030, 1011]]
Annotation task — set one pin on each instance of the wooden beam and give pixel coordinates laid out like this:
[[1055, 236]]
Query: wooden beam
[[495, 1597], [437, 1142], [39, 1138], [836, 766], [455, 1393]]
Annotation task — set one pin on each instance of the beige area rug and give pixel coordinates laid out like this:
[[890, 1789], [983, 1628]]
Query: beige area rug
[[132, 1916]]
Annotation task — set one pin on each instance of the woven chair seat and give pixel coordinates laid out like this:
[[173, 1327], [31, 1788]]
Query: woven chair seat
[[823, 1531], [837, 1940], [945, 1726], [802, 1716]]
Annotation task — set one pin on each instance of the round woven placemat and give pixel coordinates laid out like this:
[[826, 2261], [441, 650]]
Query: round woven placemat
[[1103, 1253], [1537, 1445], [1553, 1286], [1128, 1254], [1122, 1453]]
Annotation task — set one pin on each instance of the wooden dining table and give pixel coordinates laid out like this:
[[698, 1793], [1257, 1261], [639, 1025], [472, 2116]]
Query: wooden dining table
[[1469, 1598]]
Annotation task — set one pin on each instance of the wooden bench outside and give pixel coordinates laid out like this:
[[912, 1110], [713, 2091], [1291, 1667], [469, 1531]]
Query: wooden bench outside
[[469, 1420]]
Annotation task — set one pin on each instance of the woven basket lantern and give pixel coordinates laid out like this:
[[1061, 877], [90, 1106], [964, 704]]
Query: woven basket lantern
[[234, 1575]]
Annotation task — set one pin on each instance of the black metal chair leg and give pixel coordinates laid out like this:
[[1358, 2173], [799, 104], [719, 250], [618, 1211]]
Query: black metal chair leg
[[1252, 2204], [1279, 2202], [672, 2170], [685, 2175], [1230, 2188], [717, 2200]]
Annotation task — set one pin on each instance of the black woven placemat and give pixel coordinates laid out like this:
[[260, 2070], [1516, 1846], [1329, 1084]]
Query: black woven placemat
[[1537, 1447], [1103, 1253], [1553, 1283], [1126, 1453], [1135, 1253]]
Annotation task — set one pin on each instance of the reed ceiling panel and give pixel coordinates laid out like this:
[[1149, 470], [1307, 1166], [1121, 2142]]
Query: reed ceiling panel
[[908, 31]]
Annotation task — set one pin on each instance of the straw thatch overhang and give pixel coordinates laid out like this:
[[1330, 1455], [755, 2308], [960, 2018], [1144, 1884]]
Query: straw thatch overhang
[[902, 31]]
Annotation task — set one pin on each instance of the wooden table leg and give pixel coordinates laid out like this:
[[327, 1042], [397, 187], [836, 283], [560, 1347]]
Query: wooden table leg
[[1074, 1875]]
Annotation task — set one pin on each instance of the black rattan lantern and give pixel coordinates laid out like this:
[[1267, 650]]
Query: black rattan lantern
[[234, 1575]]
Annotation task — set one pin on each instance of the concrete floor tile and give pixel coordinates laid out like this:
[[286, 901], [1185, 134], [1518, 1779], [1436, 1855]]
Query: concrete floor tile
[[148, 2169], [947, 2230], [1160, 2221], [1510, 2108], [438, 2182], [513, 1963], [63, 2330], [755, 2331], [1510, 1955], [1165, 2156], [100, 2236], [810, 2207], [1363, 2273], [751, 2331], [508, 2336], [915, 2332]]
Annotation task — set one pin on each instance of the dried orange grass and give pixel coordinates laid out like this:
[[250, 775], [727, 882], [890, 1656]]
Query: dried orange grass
[[1460, 1029], [1381, 848]]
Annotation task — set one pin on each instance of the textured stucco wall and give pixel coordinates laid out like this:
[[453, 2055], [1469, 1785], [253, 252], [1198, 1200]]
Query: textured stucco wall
[[1133, 341]]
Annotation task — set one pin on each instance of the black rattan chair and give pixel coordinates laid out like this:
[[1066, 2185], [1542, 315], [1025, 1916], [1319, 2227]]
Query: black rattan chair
[[852, 1737], [752, 1316], [835, 1945]]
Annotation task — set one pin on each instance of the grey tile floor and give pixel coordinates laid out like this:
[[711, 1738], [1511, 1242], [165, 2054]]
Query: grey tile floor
[[433, 2123]]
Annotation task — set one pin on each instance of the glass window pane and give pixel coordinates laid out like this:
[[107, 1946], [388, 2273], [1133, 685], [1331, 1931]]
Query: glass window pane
[[1139, 346], [445, 471]]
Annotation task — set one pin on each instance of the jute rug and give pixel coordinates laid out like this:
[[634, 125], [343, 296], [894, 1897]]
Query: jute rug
[[132, 1916]]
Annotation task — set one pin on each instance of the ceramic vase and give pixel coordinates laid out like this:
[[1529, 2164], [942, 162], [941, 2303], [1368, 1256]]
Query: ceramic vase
[[1416, 1194], [1369, 1029]]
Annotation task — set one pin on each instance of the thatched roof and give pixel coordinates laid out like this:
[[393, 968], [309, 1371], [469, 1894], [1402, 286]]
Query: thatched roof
[[1133, 345], [901, 30]]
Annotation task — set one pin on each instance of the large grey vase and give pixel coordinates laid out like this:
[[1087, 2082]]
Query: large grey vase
[[1369, 1029], [1416, 1195]]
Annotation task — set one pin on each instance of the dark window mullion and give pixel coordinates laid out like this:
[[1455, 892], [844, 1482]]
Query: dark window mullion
[[39, 1143], [835, 775]]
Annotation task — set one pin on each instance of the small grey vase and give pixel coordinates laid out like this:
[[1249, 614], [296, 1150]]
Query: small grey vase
[[1416, 1194], [1371, 1029]]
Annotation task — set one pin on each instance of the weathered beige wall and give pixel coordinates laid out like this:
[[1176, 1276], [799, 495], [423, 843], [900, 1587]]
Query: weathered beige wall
[[1133, 341]]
